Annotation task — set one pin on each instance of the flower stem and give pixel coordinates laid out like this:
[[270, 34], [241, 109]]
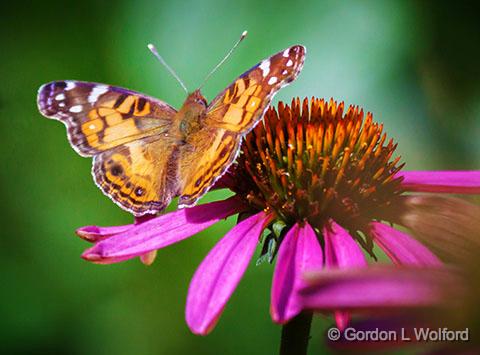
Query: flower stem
[[296, 334]]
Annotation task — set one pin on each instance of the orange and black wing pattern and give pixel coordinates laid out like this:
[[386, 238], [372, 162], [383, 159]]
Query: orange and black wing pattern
[[242, 104], [233, 113], [99, 117], [126, 132]]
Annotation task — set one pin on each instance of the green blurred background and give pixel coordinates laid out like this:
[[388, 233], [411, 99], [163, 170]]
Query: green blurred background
[[415, 65]]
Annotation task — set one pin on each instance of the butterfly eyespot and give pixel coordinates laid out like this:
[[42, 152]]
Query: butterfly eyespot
[[116, 170], [139, 191]]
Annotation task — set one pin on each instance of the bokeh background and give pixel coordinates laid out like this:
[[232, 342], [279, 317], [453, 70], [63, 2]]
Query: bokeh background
[[415, 65]]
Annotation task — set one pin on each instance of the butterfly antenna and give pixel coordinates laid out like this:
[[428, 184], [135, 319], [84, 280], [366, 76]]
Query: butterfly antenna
[[159, 57], [244, 34]]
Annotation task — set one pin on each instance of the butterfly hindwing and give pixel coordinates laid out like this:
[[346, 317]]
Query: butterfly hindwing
[[140, 176], [99, 117], [241, 105]]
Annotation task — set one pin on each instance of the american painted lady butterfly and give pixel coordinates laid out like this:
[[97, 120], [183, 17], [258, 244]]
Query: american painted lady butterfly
[[145, 152]]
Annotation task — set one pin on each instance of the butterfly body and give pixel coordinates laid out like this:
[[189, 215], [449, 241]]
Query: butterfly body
[[145, 152], [191, 115]]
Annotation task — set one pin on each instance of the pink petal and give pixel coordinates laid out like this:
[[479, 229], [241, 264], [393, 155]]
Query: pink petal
[[400, 247], [454, 182], [220, 272], [341, 251], [342, 319], [94, 233], [299, 251], [161, 231], [377, 288]]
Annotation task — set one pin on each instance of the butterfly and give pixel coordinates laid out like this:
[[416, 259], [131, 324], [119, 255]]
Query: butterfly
[[145, 152]]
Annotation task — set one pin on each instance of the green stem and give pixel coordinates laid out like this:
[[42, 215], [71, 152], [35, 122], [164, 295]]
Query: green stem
[[296, 334]]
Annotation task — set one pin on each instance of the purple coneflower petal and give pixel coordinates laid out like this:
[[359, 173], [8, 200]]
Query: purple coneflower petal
[[220, 272], [342, 319], [94, 233], [161, 231], [299, 251], [341, 251], [400, 247], [454, 182], [376, 288]]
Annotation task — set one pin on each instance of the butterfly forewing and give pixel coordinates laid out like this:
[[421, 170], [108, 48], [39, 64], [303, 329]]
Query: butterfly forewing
[[232, 114], [242, 104], [100, 117]]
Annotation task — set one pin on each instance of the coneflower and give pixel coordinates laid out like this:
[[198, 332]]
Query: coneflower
[[326, 184]]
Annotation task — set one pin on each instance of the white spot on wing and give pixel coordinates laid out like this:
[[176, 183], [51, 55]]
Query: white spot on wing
[[289, 63], [92, 126], [96, 92], [61, 104], [286, 52], [265, 66], [272, 80], [285, 72], [60, 97], [76, 109], [70, 85]]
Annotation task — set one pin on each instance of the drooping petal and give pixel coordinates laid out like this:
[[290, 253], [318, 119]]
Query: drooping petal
[[94, 233], [299, 252], [342, 318], [341, 251], [373, 288], [220, 272], [400, 247], [454, 182], [161, 231]]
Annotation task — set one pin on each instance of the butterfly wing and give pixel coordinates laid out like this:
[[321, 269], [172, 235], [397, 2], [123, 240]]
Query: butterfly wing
[[100, 117], [202, 163], [139, 176], [232, 114], [128, 135], [242, 104]]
